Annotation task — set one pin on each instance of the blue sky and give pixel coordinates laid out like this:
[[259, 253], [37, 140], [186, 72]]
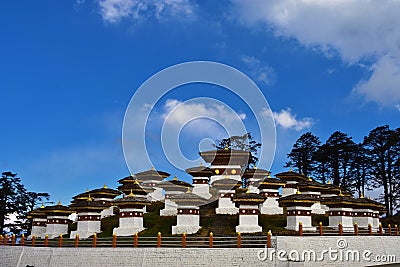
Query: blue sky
[[68, 70]]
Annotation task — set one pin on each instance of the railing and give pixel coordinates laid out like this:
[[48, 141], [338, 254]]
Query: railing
[[184, 241]]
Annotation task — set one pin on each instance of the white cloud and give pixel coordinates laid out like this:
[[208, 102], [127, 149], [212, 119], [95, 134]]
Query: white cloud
[[397, 106], [262, 73], [287, 120], [180, 113], [355, 30], [113, 11], [383, 85]]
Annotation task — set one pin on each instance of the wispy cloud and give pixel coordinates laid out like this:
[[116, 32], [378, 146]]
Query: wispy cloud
[[397, 106], [356, 31], [287, 120], [260, 72], [113, 11]]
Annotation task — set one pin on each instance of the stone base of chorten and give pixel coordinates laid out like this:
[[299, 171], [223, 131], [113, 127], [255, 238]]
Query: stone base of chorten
[[248, 229], [188, 229], [125, 231], [230, 211], [169, 212], [317, 208], [271, 206], [86, 229]]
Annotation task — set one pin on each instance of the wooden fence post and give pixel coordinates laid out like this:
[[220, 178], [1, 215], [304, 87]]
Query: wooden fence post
[[356, 228], [300, 229], [239, 240], [114, 241], [5, 241], [76, 240], [60, 241], [159, 239], [135, 240], [46, 240], [390, 229], [33, 240], [340, 228], [1, 240], [22, 240], [380, 229], [13, 240], [269, 245], [94, 243], [369, 229], [396, 229], [184, 240], [211, 241], [321, 233]]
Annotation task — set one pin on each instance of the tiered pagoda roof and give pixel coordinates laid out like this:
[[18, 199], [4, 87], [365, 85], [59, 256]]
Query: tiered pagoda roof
[[89, 205], [291, 176], [151, 174], [58, 209], [247, 198], [131, 201], [130, 183], [270, 183], [256, 173], [200, 171], [174, 185], [226, 157], [188, 199], [226, 184], [297, 199]]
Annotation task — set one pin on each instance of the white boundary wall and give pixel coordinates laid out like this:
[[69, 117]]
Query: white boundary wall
[[39, 256]]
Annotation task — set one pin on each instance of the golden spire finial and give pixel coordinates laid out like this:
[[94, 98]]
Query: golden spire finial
[[226, 176], [340, 193], [290, 170], [255, 167], [87, 189], [89, 198], [269, 175], [152, 168], [59, 203], [188, 189], [309, 178], [136, 181], [175, 178], [248, 191], [362, 196], [104, 186], [131, 194], [42, 205], [298, 191], [201, 163], [226, 146], [329, 181]]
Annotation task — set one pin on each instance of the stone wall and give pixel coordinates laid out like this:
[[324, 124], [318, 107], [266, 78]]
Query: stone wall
[[39, 256]]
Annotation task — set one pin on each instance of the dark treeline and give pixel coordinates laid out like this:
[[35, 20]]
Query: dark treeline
[[373, 163], [16, 199]]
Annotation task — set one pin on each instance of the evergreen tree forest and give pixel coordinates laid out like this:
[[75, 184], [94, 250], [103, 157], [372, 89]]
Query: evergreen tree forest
[[373, 163], [16, 200]]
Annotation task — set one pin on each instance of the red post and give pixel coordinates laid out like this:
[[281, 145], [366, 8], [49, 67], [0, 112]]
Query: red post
[[159, 239], [390, 229], [1, 239], [321, 233], [22, 240], [60, 241], [13, 240], [356, 228], [46, 240], [114, 241], [380, 229], [5, 240], [94, 242], [340, 229], [211, 241], [300, 229], [369, 229], [396, 229], [76, 240], [33, 240], [269, 245], [184, 240], [135, 240], [239, 240]]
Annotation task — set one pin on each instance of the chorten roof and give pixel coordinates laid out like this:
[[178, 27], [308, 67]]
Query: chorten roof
[[174, 184], [200, 171], [226, 183], [297, 199], [248, 198], [188, 199], [256, 173], [58, 209], [131, 200], [226, 157], [291, 176], [270, 182], [151, 174]]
